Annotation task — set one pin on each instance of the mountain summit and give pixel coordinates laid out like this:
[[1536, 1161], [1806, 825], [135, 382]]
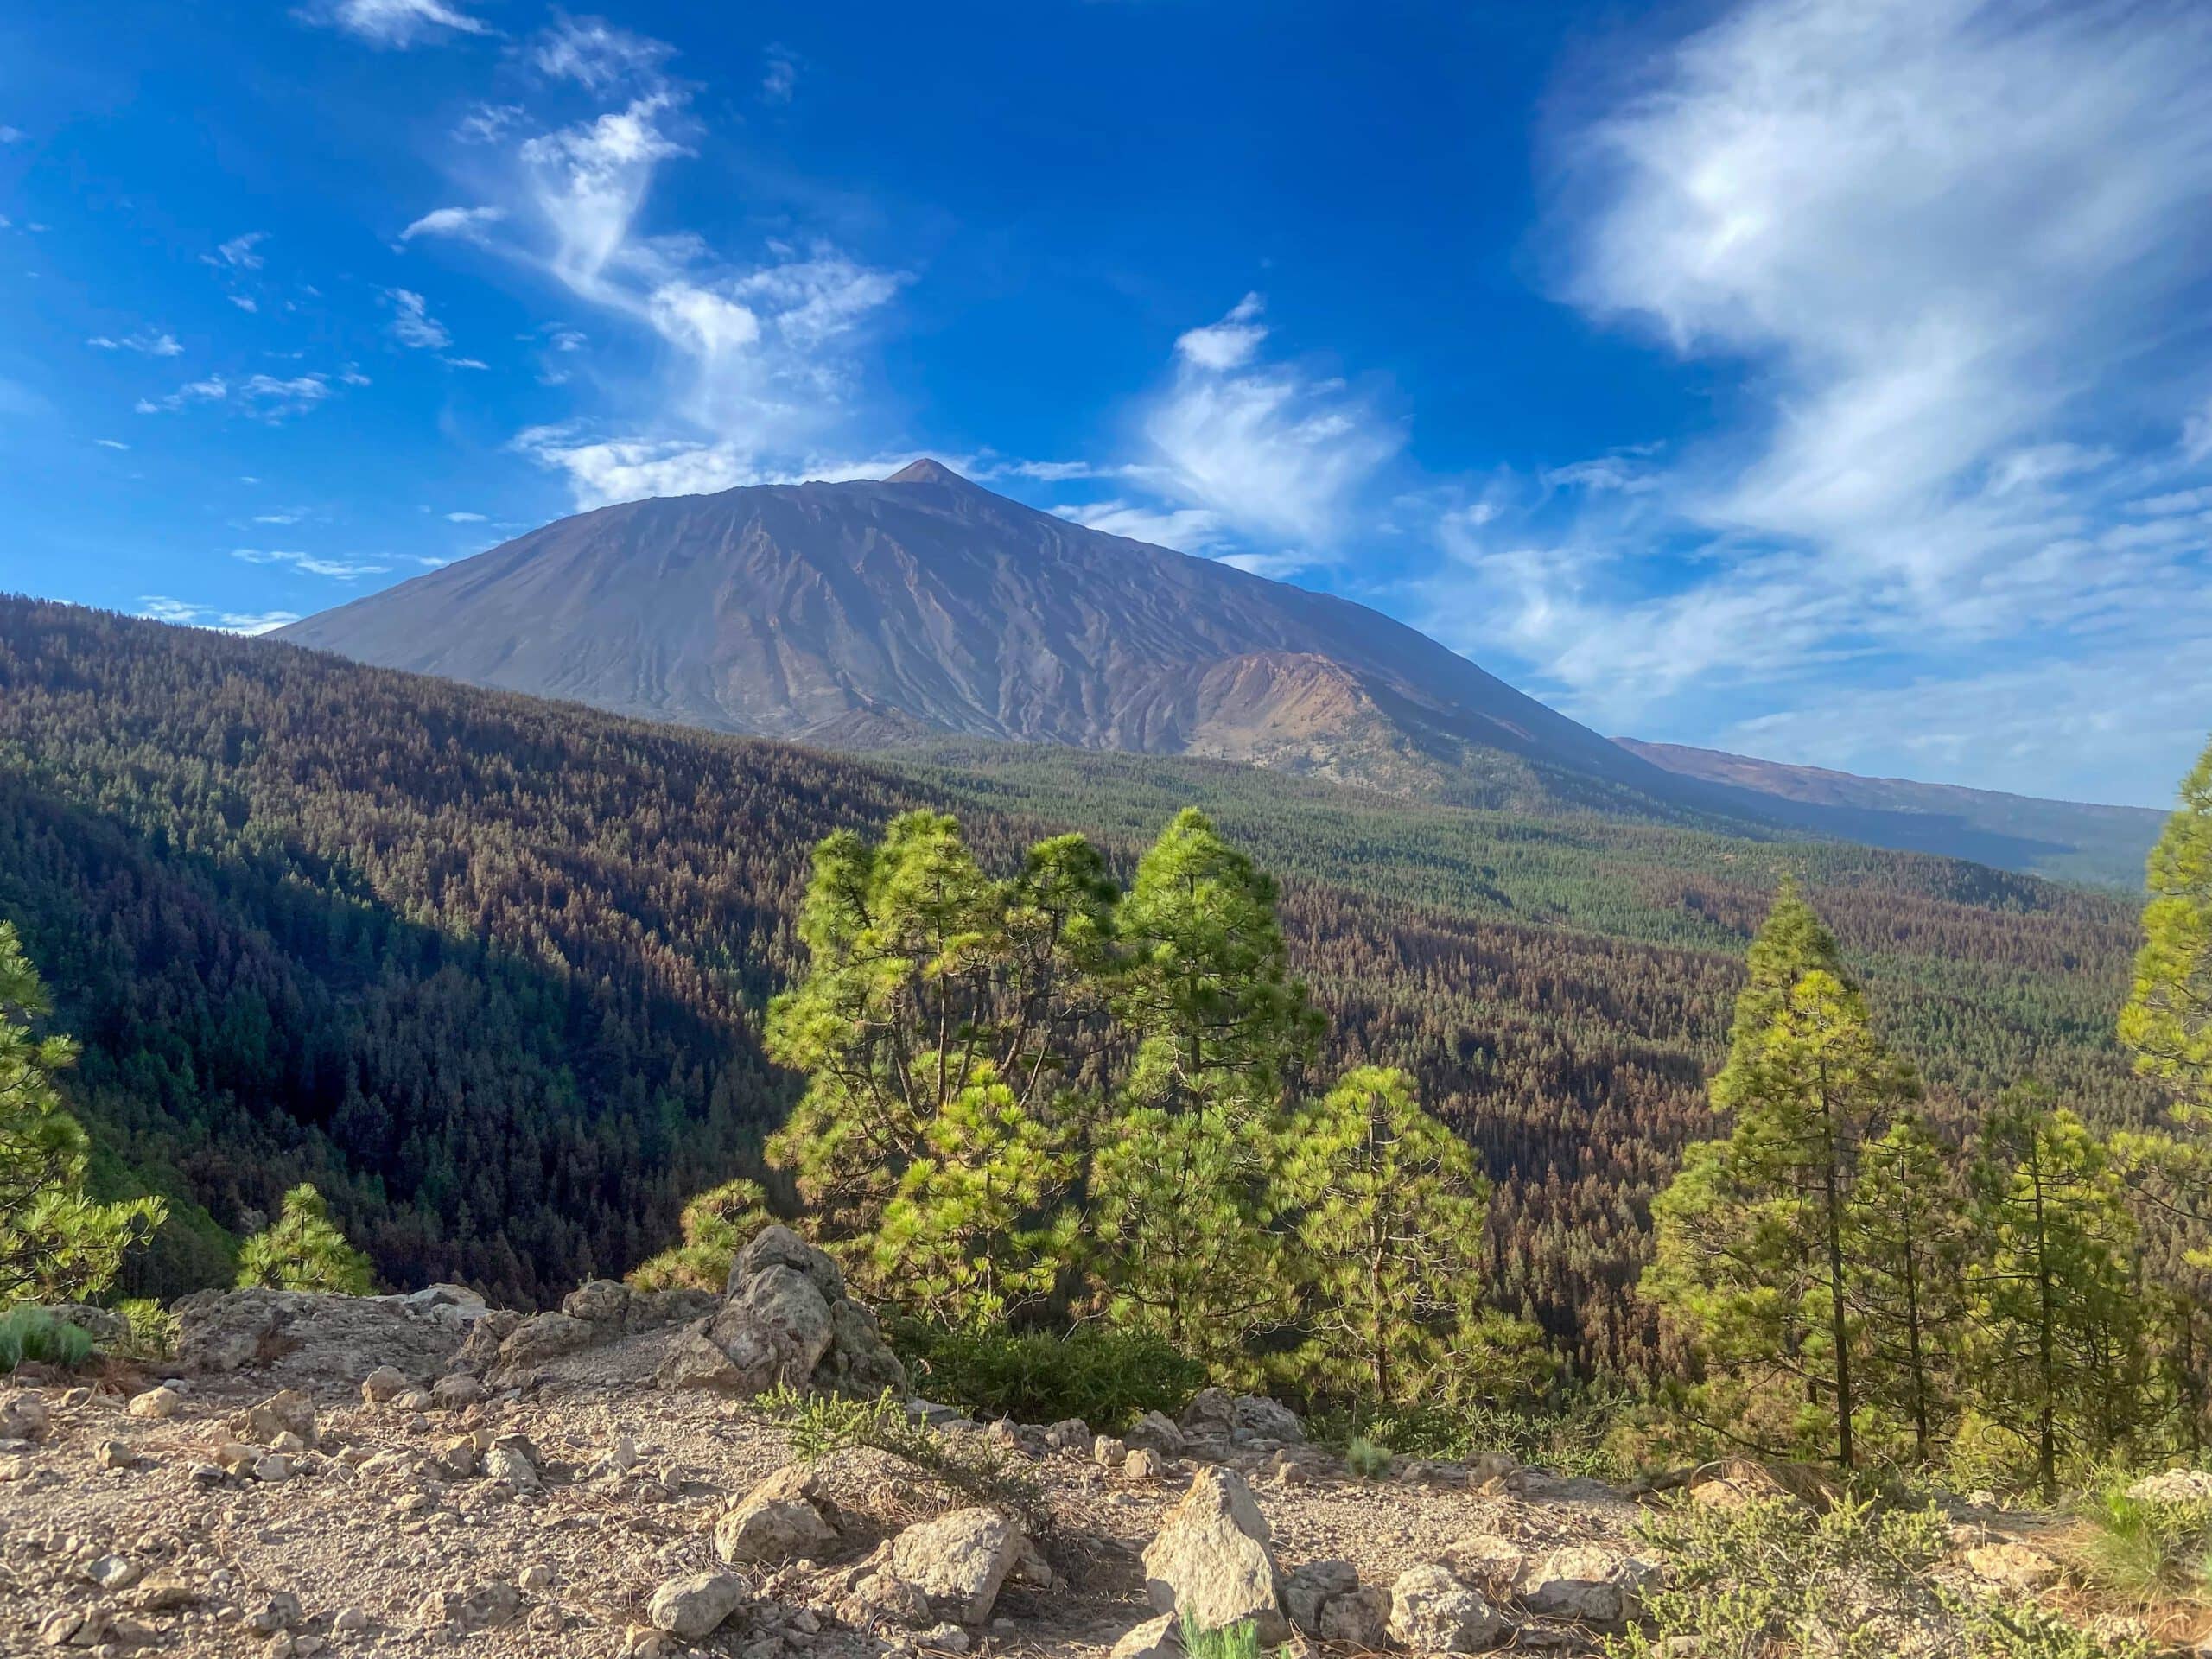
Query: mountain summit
[[923, 606]]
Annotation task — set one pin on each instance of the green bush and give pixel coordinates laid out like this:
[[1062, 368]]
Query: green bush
[[2146, 1548], [1574, 1440], [1108, 1378], [1775, 1579], [1368, 1459], [32, 1334], [818, 1425]]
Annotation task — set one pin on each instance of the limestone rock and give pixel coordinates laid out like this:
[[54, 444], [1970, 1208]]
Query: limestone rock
[[1107, 1451], [959, 1560], [1431, 1612], [1212, 1559], [695, 1605], [309, 1338]]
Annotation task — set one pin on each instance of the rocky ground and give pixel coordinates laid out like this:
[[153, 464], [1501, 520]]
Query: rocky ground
[[420, 1475]]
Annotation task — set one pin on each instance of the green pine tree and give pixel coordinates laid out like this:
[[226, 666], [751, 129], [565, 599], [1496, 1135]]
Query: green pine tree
[[1390, 1248], [302, 1250], [2059, 1356], [56, 1242], [1752, 1260], [2167, 1020], [1909, 1236], [715, 1225]]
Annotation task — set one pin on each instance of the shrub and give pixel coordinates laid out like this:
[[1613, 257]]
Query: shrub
[[715, 1224], [153, 1327], [1774, 1580], [1575, 1440], [1237, 1641], [820, 1424], [32, 1334], [302, 1250], [1108, 1378]]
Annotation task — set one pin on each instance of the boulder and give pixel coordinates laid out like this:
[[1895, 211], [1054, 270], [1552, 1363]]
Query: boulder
[[546, 1336], [601, 1301], [1308, 1587], [310, 1337], [1585, 1583], [776, 1521], [1154, 1432], [784, 1320], [457, 1392], [1144, 1465], [2175, 1487], [1156, 1638], [384, 1385], [1213, 1560], [1358, 1618], [1255, 1417], [958, 1562], [106, 1327], [1431, 1612], [695, 1605]]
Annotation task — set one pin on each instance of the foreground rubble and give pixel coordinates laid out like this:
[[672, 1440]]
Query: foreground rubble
[[422, 1475]]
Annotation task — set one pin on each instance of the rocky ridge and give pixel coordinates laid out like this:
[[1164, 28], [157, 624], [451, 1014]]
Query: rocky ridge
[[422, 1474]]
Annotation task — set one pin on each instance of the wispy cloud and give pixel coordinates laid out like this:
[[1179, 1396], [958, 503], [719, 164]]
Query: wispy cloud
[[1188, 529], [412, 323], [1271, 448], [781, 79], [466, 222], [152, 342], [161, 608], [237, 253], [1937, 457], [310, 564], [264, 396], [399, 23]]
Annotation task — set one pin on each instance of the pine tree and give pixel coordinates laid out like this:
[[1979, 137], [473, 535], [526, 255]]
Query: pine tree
[[2167, 1020], [1390, 1247], [302, 1250], [715, 1225], [1907, 1234], [56, 1242], [2058, 1351], [1751, 1257]]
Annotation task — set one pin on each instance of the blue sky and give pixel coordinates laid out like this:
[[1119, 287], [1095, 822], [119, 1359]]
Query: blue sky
[[1825, 379]]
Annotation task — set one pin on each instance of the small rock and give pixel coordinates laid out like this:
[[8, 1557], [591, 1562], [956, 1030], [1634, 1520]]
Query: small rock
[[486, 1607], [1587, 1584], [1156, 1431], [384, 1385], [1070, 1434], [944, 1639], [274, 1467], [1143, 1464], [455, 1392], [1359, 1618], [166, 1594], [112, 1573], [115, 1455], [349, 1619], [1107, 1451], [2017, 1568], [536, 1578], [1431, 1612], [156, 1402], [776, 1521], [287, 1412], [23, 1417], [1306, 1588], [695, 1605], [281, 1612]]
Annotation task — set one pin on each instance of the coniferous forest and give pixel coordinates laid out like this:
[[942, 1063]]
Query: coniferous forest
[[492, 974]]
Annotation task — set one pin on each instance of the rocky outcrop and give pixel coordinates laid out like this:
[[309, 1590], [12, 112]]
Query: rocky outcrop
[[784, 1320], [958, 1562], [314, 1338], [1213, 1560]]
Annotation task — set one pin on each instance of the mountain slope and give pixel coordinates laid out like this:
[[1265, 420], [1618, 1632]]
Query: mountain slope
[[2085, 841], [862, 614]]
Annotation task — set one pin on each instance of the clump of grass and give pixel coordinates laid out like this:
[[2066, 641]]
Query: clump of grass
[[1368, 1459], [1576, 1438], [29, 1334], [1237, 1641], [820, 1424], [2146, 1549]]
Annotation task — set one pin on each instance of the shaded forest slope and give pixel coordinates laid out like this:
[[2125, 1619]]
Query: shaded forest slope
[[487, 968]]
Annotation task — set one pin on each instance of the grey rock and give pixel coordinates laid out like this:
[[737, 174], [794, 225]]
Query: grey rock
[[1307, 1587], [1154, 1432], [695, 1605], [1586, 1583], [486, 1607], [601, 1301], [384, 1385], [1156, 1638], [23, 1417], [1359, 1618], [288, 1412], [547, 1336], [1431, 1612], [1212, 1559], [106, 1327], [455, 1392], [776, 1521], [958, 1560]]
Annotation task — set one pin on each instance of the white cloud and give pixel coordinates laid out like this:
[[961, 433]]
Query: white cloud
[[237, 253], [273, 397], [781, 79], [467, 222], [1944, 249], [1272, 449], [597, 55], [245, 303], [412, 323], [212, 389], [464, 362], [12, 135], [111, 443], [464, 518], [602, 471], [1188, 529], [310, 564], [152, 342], [391, 22], [278, 517], [159, 607]]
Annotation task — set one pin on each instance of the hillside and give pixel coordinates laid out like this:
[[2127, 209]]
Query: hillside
[[485, 967], [2085, 841]]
